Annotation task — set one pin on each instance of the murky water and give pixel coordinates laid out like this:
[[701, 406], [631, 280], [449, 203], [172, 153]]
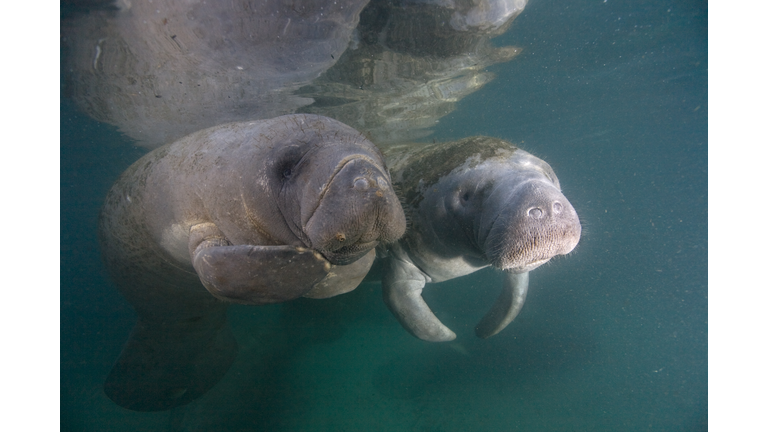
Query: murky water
[[612, 337]]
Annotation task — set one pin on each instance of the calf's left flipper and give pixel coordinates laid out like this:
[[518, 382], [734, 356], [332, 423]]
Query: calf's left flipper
[[402, 284]]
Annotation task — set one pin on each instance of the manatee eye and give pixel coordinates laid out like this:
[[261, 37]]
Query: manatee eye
[[287, 165], [462, 198]]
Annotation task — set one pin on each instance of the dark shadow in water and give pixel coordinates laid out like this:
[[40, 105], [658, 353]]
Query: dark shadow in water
[[94, 319], [268, 393]]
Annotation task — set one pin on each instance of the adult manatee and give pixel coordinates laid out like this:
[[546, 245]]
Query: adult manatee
[[253, 213], [409, 62], [472, 203], [162, 69]]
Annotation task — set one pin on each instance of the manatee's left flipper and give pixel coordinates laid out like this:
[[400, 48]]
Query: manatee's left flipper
[[168, 364], [402, 284], [343, 278], [250, 274], [507, 305]]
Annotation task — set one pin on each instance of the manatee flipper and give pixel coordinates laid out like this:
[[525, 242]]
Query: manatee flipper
[[168, 364], [343, 278], [401, 285], [249, 274], [258, 275], [507, 305]]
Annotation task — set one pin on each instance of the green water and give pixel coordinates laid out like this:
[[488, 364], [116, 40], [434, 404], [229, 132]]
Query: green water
[[612, 337]]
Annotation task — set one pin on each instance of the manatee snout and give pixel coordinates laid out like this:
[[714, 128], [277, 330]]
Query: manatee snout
[[537, 223], [358, 210]]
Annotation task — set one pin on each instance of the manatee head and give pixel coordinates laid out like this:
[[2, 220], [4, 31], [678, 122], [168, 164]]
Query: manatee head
[[526, 220], [501, 206], [333, 189]]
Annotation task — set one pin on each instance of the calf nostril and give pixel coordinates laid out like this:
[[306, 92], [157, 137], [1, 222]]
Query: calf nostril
[[535, 213], [362, 183], [557, 207]]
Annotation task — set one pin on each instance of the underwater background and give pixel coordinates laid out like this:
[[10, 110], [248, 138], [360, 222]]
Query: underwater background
[[613, 95]]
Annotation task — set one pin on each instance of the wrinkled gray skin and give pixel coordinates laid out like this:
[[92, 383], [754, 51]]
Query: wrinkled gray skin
[[472, 203], [253, 213]]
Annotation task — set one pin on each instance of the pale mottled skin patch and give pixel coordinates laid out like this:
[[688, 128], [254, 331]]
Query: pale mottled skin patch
[[415, 166]]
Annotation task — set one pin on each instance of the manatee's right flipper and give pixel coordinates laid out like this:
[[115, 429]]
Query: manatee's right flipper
[[402, 284], [250, 274], [168, 364]]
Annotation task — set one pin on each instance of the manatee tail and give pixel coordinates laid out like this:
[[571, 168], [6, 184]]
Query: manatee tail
[[168, 364]]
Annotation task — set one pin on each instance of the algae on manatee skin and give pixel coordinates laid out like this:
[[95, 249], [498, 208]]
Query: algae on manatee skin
[[415, 166]]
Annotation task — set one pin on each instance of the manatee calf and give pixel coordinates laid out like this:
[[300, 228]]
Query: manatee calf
[[253, 213], [472, 203]]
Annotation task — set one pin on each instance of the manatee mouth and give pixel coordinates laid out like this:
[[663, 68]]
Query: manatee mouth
[[538, 225], [348, 254], [517, 248], [520, 249], [356, 209], [517, 269]]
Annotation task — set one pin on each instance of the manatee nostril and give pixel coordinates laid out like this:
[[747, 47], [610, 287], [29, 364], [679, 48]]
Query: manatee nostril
[[557, 207], [362, 183], [535, 213]]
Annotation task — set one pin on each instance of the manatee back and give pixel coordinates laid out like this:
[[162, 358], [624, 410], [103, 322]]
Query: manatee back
[[181, 346], [153, 281], [415, 166]]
